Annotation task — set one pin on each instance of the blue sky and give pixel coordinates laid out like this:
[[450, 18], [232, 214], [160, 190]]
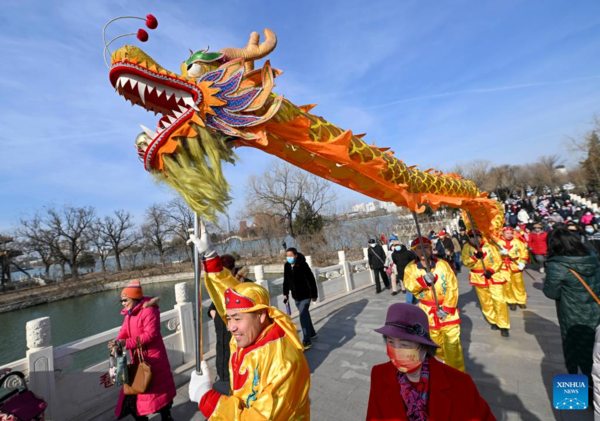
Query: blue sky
[[438, 82]]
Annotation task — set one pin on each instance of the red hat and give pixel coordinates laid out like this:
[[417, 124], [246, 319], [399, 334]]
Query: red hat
[[133, 291], [508, 229], [470, 233], [426, 241], [408, 322], [236, 301], [442, 233]]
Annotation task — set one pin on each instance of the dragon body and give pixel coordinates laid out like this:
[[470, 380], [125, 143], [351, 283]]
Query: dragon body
[[219, 100]]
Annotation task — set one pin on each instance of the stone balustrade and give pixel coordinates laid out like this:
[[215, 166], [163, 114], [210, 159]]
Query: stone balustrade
[[84, 394]]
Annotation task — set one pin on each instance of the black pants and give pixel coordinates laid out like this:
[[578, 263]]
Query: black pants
[[222, 348], [386, 281]]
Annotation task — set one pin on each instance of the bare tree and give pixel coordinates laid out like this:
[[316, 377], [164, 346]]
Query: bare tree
[[281, 188], [182, 219], [100, 242], [119, 232], [38, 239], [157, 230], [478, 171], [70, 225]]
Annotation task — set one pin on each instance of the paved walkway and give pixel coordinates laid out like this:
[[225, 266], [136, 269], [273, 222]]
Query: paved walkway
[[513, 374]]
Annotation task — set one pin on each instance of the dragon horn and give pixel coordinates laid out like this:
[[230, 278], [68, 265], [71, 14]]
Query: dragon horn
[[253, 50]]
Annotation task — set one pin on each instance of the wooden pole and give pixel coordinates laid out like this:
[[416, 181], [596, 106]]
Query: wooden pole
[[198, 296]]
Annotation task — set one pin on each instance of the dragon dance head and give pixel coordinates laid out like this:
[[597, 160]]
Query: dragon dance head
[[217, 98], [219, 101]]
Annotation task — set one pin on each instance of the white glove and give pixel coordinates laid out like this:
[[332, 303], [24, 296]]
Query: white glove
[[203, 244], [442, 314], [200, 384], [429, 278], [504, 252], [521, 266]]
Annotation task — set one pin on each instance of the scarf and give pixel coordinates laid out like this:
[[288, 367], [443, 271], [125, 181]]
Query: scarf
[[415, 398]]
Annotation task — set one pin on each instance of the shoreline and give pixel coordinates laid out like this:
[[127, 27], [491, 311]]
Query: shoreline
[[71, 289]]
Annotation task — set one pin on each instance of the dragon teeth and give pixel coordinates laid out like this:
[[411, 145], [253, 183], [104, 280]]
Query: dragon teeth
[[149, 132], [142, 91], [172, 119]]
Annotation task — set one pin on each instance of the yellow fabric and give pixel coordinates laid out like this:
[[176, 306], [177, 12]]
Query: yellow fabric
[[515, 289], [492, 262], [445, 333], [493, 305], [446, 288], [517, 253], [450, 351], [217, 283], [278, 377]]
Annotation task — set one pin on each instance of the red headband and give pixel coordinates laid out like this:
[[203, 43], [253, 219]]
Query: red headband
[[418, 240], [236, 301]]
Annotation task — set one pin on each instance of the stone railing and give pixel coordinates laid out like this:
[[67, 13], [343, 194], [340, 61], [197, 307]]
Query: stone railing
[[85, 394]]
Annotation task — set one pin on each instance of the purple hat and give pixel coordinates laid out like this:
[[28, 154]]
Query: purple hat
[[408, 322]]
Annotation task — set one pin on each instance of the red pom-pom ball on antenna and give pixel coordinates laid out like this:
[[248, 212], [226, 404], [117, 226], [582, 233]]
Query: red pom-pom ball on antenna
[[142, 35], [151, 22]]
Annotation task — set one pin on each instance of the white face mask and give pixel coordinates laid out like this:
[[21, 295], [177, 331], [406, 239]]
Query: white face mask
[[372, 245]]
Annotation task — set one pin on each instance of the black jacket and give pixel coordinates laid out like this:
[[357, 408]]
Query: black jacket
[[401, 259], [299, 279], [376, 257]]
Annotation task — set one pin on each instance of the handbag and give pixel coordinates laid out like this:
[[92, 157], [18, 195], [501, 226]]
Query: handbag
[[140, 374], [390, 269], [20, 404], [586, 286]]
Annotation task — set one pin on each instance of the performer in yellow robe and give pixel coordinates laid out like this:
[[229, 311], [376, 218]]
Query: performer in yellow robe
[[444, 325], [489, 283], [514, 258], [270, 378]]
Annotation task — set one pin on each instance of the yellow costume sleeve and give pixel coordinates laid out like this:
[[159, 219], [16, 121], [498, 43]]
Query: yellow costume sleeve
[[216, 284], [410, 278], [523, 254], [468, 251]]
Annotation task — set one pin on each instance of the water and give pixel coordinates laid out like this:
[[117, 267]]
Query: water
[[79, 317]]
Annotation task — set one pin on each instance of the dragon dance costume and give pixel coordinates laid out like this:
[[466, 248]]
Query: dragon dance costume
[[517, 253], [491, 292], [270, 379], [445, 333]]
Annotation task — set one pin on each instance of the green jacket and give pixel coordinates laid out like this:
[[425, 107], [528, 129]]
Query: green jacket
[[575, 305]]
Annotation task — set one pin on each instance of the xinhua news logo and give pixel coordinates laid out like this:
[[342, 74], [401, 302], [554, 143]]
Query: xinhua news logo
[[570, 391]]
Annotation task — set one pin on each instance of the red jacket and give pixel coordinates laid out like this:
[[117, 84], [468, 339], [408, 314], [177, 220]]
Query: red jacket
[[538, 243], [144, 322], [452, 395]]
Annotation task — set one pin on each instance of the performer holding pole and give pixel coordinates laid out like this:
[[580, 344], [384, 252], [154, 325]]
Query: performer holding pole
[[442, 312], [514, 257], [485, 262], [270, 378]]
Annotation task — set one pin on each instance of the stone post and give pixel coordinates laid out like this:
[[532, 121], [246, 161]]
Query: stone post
[[186, 326], [40, 358], [346, 270], [309, 261]]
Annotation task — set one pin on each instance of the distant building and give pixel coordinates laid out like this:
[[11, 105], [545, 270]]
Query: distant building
[[243, 227], [374, 206]]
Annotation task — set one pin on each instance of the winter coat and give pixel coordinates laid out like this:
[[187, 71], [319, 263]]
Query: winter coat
[[578, 312], [538, 243], [401, 259], [144, 322], [377, 257], [587, 219], [452, 395], [299, 279]]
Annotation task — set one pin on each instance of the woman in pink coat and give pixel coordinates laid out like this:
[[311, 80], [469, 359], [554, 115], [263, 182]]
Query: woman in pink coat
[[142, 319]]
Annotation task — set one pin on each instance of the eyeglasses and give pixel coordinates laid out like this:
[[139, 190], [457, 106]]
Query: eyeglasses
[[124, 300], [416, 329]]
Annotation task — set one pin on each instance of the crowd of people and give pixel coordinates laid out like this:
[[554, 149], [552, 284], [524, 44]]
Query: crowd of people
[[261, 366]]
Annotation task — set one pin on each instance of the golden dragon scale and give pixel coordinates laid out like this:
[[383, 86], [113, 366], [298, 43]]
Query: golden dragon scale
[[220, 100]]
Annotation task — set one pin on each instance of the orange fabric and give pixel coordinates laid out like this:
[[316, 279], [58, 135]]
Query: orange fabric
[[133, 291]]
